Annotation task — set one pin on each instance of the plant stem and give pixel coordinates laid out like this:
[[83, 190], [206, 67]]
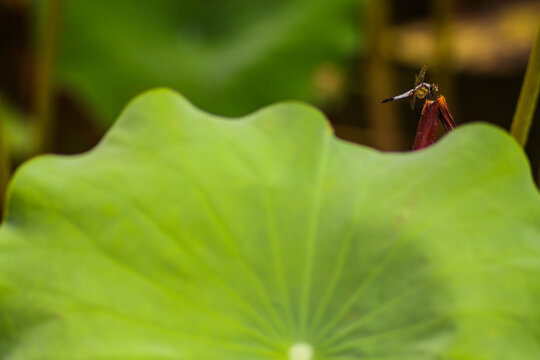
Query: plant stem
[[5, 166], [46, 48], [538, 179], [427, 126], [528, 96]]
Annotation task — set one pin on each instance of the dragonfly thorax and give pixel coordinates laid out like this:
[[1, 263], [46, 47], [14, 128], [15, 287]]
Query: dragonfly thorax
[[422, 90]]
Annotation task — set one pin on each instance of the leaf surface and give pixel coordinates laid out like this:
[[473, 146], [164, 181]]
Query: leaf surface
[[188, 236]]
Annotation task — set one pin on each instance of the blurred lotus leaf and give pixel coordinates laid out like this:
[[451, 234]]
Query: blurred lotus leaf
[[229, 57], [18, 131], [188, 236]]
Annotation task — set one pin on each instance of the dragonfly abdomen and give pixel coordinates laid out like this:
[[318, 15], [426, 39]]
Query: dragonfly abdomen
[[401, 96]]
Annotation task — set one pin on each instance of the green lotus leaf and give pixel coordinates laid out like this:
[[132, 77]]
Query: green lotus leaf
[[212, 51], [183, 235]]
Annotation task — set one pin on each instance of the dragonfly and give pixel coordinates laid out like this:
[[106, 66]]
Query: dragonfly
[[435, 109], [420, 89]]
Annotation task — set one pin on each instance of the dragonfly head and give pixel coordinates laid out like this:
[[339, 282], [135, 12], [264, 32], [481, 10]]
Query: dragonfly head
[[434, 91]]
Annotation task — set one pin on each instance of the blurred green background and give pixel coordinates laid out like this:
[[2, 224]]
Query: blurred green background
[[68, 67]]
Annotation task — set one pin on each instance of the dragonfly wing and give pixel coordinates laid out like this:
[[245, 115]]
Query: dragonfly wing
[[413, 100], [420, 76]]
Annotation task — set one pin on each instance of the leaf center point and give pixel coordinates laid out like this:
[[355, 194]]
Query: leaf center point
[[300, 351]]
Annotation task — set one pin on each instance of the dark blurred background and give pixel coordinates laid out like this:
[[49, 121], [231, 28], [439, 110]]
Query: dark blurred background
[[68, 67]]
